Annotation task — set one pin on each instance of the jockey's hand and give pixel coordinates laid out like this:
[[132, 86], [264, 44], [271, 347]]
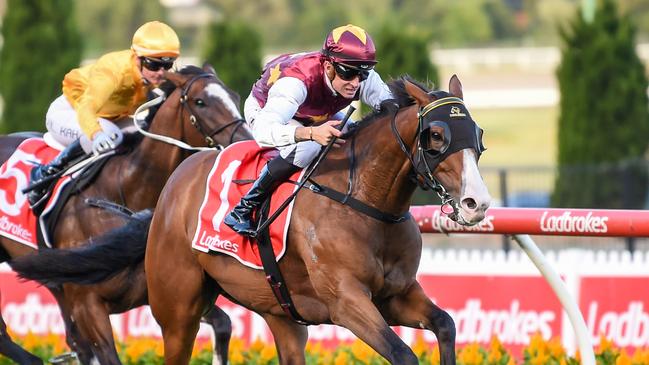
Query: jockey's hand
[[102, 142], [325, 133]]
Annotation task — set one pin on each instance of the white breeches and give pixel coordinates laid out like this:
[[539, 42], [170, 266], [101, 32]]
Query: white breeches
[[62, 123], [300, 154]]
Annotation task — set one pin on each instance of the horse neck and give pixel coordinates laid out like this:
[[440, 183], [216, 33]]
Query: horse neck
[[383, 168], [151, 163]]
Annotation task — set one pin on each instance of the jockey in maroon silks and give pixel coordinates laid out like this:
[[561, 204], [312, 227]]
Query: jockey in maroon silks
[[296, 104]]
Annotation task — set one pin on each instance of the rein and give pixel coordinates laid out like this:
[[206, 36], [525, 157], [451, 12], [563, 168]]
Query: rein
[[271, 268], [346, 198], [139, 122], [307, 175], [429, 180], [196, 122]]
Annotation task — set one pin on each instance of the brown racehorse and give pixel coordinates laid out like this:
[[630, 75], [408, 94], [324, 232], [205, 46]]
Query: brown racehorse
[[341, 265], [201, 108]]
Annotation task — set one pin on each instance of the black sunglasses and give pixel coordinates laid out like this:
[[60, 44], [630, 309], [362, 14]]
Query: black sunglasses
[[154, 65], [348, 73]]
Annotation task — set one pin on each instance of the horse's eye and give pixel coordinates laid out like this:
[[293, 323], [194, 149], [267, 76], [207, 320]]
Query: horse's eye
[[436, 136], [199, 103]]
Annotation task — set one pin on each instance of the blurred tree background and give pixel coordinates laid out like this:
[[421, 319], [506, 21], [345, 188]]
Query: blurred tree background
[[404, 52], [234, 50], [604, 121], [295, 24], [291, 25], [41, 44], [236, 35], [108, 25]]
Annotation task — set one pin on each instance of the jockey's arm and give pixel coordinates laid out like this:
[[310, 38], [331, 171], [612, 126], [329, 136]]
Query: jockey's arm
[[374, 90], [269, 127], [102, 84]]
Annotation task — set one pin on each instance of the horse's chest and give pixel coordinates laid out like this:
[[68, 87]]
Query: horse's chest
[[395, 281], [399, 269]]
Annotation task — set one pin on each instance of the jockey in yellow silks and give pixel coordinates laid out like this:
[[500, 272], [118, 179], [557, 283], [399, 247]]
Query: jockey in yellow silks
[[97, 94]]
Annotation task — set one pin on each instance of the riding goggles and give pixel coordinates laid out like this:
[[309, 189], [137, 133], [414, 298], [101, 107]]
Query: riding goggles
[[155, 65], [348, 73]]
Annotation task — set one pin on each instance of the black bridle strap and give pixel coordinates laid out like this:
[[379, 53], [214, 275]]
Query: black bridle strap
[[347, 199], [433, 183], [429, 180], [310, 169], [356, 204], [402, 143], [236, 129], [238, 121], [195, 121]]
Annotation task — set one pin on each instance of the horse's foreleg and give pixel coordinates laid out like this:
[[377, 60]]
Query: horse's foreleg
[[11, 350], [414, 309], [354, 310], [222, 329], [91, 317], [290, 339]]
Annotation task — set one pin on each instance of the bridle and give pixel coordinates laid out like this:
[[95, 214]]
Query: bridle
[[425, 178], [197, 122]]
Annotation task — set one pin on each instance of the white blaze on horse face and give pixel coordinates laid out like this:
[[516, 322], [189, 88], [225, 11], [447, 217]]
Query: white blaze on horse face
[[218, 91], [475, 198]]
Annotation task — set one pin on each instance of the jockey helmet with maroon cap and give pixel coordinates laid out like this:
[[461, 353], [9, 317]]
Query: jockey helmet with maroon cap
[[350, 46]]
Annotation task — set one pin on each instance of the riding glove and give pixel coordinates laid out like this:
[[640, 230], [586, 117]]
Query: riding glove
[[103, 142]]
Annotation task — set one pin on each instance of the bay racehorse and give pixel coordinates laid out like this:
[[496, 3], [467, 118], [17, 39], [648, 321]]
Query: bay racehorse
[[341, 266], [199, 111]]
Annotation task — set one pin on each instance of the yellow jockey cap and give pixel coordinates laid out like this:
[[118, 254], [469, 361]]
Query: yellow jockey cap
[[155, 39]]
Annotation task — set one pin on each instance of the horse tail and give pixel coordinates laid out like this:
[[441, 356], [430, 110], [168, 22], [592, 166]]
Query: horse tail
[[105, 257]]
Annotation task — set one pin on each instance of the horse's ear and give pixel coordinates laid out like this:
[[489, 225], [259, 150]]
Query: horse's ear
[[209, 69], [176, 78], [417, 93], [455, 87]]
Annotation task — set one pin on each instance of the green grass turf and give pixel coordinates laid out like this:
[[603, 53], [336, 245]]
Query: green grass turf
[[518, 136]]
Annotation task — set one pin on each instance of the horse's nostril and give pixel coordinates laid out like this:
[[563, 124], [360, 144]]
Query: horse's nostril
[[469, 203]]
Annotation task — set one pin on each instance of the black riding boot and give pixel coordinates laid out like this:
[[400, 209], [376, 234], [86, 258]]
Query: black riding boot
[[42, 172], [272, 175]]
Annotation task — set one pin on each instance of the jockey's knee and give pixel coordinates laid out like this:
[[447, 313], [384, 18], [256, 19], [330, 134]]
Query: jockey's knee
[[304, 153]]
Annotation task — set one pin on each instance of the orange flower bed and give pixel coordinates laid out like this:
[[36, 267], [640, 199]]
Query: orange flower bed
[[538, 352]]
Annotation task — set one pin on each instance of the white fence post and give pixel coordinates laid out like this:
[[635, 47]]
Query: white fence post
[[568, 303]]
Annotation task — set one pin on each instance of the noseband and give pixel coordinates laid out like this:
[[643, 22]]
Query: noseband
[[197, 122]]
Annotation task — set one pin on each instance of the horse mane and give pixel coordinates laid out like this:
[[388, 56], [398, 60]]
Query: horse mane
[[130, 141], [398, 88], [168, 87]]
